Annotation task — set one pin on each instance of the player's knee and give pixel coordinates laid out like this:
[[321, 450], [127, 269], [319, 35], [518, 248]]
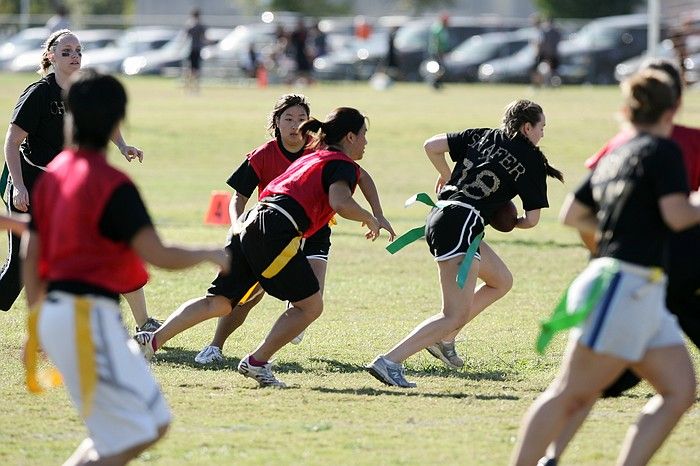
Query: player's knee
[[218, 306], [682, 396], [505, 281]]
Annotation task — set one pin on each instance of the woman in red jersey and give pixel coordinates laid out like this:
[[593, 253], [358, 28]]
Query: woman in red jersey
[[261, 166], [266, 241], [86, 245]]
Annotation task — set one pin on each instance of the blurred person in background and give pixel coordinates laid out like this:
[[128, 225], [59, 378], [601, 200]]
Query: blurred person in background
[[319, 41], [298, 45], [546, 64], [438, 45], [60, 20], [197, 34]]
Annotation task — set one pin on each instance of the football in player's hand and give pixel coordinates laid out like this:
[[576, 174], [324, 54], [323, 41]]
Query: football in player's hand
[[505, 217]]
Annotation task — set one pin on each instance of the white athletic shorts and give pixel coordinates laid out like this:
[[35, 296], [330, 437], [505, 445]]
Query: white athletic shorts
[[128, 406], [631, 316]]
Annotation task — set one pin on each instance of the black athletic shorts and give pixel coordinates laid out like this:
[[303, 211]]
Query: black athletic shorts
[[195, 60], [267, 251], [318, 245], [449, 231]]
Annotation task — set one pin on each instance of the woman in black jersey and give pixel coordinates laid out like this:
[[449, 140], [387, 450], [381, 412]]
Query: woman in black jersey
[[631, 202], [492, 166], [33, 139]]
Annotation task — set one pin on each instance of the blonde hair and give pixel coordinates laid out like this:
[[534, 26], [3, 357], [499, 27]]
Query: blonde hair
[[50, 44], [647, 95]]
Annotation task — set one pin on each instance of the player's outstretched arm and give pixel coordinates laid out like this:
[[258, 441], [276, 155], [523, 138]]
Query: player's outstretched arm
[[340, 199], [529, 219], [148, 245], [129, 152], [15, 225], [369, 190]]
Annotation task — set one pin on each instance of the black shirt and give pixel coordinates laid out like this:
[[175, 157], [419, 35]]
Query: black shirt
[[123, 216], [624, 190], [39, 112], [244, 180], [491, 169]]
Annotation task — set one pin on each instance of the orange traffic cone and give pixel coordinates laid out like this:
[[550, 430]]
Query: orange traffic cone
[[261, 76], [218, 209]]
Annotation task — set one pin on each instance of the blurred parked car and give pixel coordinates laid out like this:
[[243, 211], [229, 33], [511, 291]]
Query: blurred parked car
[[664, 50], [169, 57], [231, 56], [462, 64], [27, 39], [133, 41], [590, 56], [353, 58], [412, 38], [358, 59], [90, 39]]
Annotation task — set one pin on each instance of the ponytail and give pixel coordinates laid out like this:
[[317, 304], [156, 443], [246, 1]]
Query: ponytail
[[339, 122], [550, 170]]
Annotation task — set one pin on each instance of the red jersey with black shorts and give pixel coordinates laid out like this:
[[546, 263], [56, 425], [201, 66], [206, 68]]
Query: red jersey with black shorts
[[267, 249], [264, 164]]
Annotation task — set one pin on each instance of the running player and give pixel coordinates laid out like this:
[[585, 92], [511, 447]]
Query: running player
[[265, 244], [631, 201], [86, 243], [682, 298], [261, 166], [492, 166], [34, 138]]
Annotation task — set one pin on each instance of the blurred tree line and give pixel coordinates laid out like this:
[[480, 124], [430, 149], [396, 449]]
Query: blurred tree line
[[585, 9], [76, 7]]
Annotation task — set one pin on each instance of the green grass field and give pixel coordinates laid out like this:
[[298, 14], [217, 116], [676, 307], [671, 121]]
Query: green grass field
[[335, 413]]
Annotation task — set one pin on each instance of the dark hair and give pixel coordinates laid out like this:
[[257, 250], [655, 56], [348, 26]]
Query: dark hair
[[96, 104], [51, 43], [647, 95], [283, 103], [339, 122], [518, 113], [670, 69]]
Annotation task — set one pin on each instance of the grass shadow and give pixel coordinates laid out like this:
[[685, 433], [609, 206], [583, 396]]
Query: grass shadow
[[410, 392], [439, 371], [178, 356]]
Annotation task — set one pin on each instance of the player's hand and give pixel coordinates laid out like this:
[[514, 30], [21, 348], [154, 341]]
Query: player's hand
[[440, 183], [20, 198], [694, 198], [130, 153], [384, 223], [373, 226]]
